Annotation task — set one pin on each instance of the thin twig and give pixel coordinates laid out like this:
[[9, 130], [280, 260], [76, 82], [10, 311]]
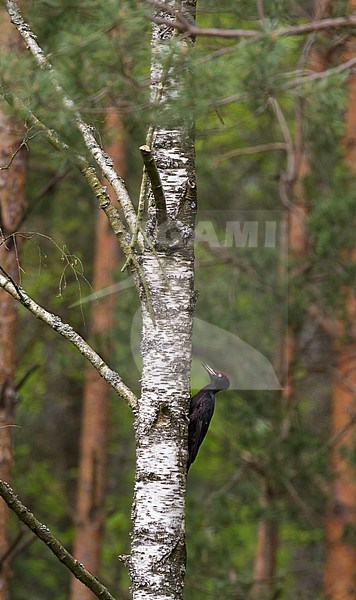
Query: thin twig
[[14, 154], [251, 150], [11, 548], [20, 543], [25, 377], [43, 533], [21, 546]]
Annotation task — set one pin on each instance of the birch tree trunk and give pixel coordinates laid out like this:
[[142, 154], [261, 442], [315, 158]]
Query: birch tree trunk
[[157, 562]]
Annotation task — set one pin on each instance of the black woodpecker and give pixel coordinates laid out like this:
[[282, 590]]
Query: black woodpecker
[[202, 409]]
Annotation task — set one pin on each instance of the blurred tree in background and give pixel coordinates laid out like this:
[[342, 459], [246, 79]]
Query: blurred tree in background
[[12, 205], [275, 138]]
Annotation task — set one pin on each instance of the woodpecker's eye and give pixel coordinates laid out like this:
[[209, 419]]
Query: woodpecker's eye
[[219, 375]]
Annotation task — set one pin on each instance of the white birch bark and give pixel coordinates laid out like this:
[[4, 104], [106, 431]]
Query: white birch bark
[[157, 561]]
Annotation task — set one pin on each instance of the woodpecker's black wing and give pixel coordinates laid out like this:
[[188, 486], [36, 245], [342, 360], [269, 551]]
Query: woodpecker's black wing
[[200, 414]]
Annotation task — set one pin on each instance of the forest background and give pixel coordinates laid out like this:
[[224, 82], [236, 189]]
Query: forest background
[[269, 500]]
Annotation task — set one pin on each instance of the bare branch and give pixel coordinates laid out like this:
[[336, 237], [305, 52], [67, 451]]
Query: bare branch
[[18, 546], [310, 515], [15, 153], [185, 26], [282, 121], [25, 377], [314, 26], [321, 74], [102, 159], [156, 184], [195, 30], [339, 435], [230, 99], [43, 533], [261, 13], [55, 322], [251, 150]]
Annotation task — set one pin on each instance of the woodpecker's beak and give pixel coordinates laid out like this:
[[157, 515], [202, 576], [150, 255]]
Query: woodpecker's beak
[[209, 369]]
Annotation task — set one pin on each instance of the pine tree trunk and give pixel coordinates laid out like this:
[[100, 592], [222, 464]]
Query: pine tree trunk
[[89, 518], [12, 197], [267, 547], [157, 561], [340, 573]]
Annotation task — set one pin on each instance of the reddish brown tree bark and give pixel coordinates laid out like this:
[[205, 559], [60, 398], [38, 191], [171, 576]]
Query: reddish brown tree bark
[[340, 564], [89, 517], [12, 200], [350, 117], [340, 573], [267, 547]]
